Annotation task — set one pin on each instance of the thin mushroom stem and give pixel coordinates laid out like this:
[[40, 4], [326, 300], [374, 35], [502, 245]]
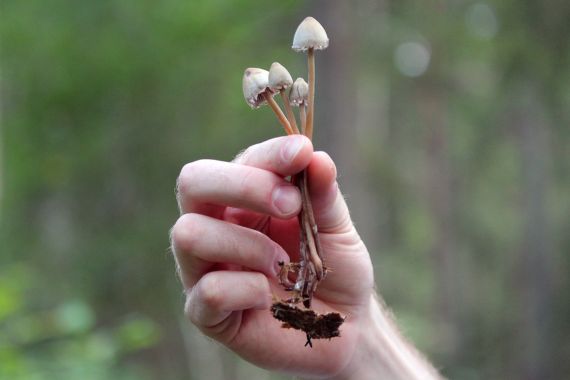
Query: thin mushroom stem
[[310, 225], [311, 267], [303, 262], [311, 108], [280, 115], [313, 255], [304, 255], [309, 286], [303, 114], [289, 110]]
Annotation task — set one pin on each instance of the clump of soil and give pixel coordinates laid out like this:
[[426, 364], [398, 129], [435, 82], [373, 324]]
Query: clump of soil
[[316, 326]]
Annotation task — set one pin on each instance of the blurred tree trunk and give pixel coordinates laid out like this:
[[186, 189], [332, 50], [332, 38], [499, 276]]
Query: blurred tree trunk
[[432, 109], [337, 126], [534, 275], [1, 162]]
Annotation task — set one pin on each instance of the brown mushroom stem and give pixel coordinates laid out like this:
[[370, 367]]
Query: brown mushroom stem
[[303, 254], [311, 230], [303, 115], [311, 269], [280, 115], [311, 108], [313, 255], [304, 258], [309, 286], [289, 110]]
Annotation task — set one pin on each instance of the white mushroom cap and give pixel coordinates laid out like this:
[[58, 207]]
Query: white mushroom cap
[[310, 34], [279, 77], [299, 92], [255, 83]]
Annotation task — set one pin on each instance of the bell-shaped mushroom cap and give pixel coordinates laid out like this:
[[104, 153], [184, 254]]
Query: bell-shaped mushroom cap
[[279, 77], [299, 92], [310, 34], [254, 84]]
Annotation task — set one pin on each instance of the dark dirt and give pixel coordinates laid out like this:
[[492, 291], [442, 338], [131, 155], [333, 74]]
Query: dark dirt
[[316, 326]]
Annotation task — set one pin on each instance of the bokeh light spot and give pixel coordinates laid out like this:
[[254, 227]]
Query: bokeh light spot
[[481, 21], [412, 58]]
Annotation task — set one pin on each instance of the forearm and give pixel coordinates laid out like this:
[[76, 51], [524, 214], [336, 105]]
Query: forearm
[[383, 353]]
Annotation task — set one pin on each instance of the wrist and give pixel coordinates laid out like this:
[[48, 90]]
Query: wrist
[[383, 353]]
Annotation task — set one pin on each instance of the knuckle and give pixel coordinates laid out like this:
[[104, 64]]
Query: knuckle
[[244, 189], [209, 292], [245, 155], [189, 310], [192, 311], [186, 232], [257, 284], [188, 175], [261, 250], [184, 178]]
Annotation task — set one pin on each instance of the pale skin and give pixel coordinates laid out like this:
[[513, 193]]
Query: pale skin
[[238, 222]]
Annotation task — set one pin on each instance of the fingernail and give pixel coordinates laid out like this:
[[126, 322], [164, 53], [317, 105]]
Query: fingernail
[[286, 199], [292, 147]]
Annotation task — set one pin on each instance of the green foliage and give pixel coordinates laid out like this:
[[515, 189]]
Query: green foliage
[[63, 341]]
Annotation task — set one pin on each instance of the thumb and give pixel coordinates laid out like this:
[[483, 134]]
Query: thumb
[[331, 212]]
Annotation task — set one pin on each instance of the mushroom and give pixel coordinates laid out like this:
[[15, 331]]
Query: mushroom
[[299, 96], [279, 81], [256, 93], [310, 36]]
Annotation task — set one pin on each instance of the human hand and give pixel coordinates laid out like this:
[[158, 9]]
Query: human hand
[[238, 222]]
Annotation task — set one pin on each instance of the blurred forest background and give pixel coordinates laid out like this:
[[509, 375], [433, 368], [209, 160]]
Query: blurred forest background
[[449, 122]]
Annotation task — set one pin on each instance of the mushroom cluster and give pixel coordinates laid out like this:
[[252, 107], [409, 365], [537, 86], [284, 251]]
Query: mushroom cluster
[[260, 87]]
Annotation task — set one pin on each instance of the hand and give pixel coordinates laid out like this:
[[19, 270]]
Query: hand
[[238, 222]]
